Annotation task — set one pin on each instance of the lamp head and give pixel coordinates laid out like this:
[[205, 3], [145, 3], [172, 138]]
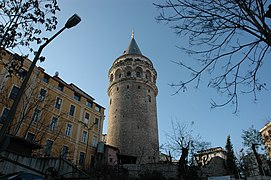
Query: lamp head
[[72, 21]]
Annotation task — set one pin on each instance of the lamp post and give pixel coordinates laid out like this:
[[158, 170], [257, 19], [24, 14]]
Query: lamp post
[[4, 139]]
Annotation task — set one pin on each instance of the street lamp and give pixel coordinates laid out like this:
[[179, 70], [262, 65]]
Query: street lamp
[[4, 139]]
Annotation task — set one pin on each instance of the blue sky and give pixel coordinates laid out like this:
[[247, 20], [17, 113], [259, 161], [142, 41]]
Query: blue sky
[[83, 55]]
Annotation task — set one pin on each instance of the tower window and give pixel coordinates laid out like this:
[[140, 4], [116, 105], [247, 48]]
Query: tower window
[[148, 75], [149, 98], [118, 73], [127, 86], [138, 87], [111, 77], [128, 74], [117, 88], [138, 74]]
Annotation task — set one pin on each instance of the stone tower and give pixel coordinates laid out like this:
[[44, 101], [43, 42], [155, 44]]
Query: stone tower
[[132, 118]]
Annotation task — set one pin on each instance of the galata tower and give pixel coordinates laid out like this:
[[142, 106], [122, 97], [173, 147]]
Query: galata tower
[[132, 118]]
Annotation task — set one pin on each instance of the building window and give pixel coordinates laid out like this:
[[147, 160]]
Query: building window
[[53, 123], [94, 141], [14, 92], [36, 115], [4, 115], [68, 130], [22, 73], [86, 117], [58, 103], [48, 148], [60, 87], [42, 94], [77, 97], [30, 137], [89, 104], [46, 78], [72, 110], [96, 122], [84, 136], [81, 158], [97, 108], [64, 152]]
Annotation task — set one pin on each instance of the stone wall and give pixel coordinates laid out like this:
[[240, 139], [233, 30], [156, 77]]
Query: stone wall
[[132, 116], [168, 170]]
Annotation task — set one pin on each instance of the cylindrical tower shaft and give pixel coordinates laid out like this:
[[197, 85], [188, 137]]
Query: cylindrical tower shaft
[[132, 118]]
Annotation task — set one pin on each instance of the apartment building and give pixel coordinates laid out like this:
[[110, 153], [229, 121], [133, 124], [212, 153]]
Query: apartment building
[[62, 118]]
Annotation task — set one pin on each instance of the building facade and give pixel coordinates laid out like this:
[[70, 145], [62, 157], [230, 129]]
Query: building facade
[[266, 136], [132, 117], [204, 157], [65, 120]]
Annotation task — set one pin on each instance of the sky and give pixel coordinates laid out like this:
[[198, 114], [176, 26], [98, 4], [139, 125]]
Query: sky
[[83, 55]]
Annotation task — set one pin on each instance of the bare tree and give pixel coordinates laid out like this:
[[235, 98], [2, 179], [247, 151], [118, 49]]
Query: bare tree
[[34, 114], [252, 139], [21, 24], [185, 144], [229, 38]]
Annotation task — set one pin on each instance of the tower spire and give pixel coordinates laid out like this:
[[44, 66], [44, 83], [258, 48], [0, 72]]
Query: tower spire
[[133, 34], [133, 47]]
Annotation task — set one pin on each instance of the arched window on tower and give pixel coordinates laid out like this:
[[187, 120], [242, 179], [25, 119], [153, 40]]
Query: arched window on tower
[[111, 77], [128, 71], [154, 79], [118, 73], [138, 72], [148, 75]]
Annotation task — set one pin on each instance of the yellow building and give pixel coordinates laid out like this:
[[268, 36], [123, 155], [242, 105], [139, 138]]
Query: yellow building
[[266, 136], [65, 120]]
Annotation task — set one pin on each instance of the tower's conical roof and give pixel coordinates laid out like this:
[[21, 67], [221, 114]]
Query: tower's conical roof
[[133, 47]]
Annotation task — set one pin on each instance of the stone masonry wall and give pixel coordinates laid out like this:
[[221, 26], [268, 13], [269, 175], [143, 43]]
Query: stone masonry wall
[[132, 118]]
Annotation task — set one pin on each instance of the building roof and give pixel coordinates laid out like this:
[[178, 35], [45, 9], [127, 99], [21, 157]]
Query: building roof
[[266, 126], [211, 150], [133, 47]]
